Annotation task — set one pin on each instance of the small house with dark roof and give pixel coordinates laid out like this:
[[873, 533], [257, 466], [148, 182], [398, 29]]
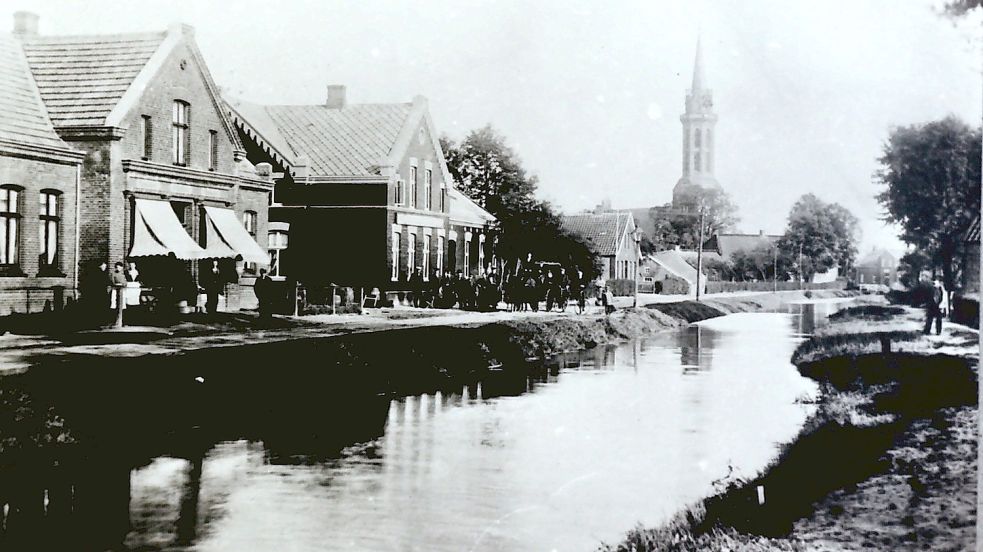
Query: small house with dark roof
[[365, 189], [39, 181], [877, 266], [728, 244], [165, 182], [612, 236]]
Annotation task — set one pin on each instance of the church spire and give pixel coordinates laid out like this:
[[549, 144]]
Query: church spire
[[698, 79]]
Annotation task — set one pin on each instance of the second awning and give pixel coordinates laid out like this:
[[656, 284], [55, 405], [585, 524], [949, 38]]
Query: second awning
[[234, 235]]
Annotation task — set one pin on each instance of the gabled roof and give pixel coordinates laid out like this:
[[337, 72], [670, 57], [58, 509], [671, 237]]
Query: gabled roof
[[94, 80], [877, 256], [973, 233], [349, 141], [673, 261], [605, 231], [728, 244], [82, 78], [466, 212], [23, 118], [691, 256]]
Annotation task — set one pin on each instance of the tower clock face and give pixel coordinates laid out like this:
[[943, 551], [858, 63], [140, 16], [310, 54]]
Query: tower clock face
[[707, 102]]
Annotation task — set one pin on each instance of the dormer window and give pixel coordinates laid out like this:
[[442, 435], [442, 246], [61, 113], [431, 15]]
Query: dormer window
[[181, 133]]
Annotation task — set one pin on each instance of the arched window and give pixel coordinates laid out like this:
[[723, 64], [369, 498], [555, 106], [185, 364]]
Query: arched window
[[10, 215], [49, 230]]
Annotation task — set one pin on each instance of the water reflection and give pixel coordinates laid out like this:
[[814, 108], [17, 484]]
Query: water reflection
[[575, 453]]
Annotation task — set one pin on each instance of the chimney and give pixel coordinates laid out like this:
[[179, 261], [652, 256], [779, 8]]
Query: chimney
[[25, 24], [336, 96]]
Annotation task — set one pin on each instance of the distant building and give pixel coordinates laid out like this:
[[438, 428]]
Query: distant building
[[365, 190], [878, 266], [726, 245], [698, 122], [671, 271], [611, 235], [38, 184]]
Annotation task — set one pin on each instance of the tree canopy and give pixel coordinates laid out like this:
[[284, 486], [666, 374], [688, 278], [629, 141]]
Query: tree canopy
[[489, 172], [682, 228], [931, 178], [825, 233]]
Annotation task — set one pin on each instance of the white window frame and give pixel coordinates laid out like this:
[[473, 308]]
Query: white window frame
[[467, 254], [400, 191], [440, 255], [481, 251], [428, 188], [411, 254], [413, 191], [394, 271], [427, 238], [180, 132]]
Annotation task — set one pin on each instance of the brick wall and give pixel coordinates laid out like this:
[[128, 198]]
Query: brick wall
[[174, 83], [28, 293]]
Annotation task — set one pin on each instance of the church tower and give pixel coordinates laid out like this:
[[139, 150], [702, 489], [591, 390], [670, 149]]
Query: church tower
[[698, 139]]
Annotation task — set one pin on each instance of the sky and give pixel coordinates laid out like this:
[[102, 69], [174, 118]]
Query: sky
[[589, 93]]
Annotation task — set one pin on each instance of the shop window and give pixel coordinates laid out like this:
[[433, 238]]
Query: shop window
[[10, 215], [427, 240], [411, 254], [277, 243], [49, 223], [440, 255]]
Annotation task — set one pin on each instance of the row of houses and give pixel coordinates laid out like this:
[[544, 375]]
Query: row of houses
[[120, 147]]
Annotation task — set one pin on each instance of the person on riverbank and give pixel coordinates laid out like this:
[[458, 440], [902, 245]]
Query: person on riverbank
[[936, 307]]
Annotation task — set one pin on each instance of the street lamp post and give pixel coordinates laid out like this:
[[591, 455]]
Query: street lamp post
[[801, 272], [774, 268], [637, 236], [699, 254]]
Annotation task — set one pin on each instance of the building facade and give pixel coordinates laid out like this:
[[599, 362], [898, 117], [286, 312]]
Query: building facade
[[164, 182], [39, 180], [612, 236], [878, 266], [365, 190]]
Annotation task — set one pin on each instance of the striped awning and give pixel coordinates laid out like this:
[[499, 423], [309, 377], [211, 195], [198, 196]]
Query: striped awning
[[157, 231]]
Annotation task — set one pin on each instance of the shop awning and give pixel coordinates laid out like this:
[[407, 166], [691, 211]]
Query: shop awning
[[157, 231], [235, 236]]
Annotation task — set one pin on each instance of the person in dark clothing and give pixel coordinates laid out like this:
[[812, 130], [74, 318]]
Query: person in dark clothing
[[936, 307], [464, 291], [577, 289], [415, 287], [213, 284], [262, 289]]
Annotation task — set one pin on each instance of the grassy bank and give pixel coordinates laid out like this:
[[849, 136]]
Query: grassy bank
[[886, 462]]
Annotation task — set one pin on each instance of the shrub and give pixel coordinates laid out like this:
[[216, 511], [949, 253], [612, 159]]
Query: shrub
[[621, 287]]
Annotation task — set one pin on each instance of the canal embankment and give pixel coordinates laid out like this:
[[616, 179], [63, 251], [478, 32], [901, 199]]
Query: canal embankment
[[887, 460]]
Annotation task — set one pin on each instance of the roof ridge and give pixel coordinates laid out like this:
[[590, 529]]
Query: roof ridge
[[40, 39]]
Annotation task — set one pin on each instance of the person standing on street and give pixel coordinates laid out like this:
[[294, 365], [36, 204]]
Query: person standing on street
[[262, 290], [936, 307], [211, 282]]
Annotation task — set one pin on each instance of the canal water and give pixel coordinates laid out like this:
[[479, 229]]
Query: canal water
[[594, 444]]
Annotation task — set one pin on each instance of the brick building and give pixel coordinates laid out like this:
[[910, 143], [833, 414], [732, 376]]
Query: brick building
[[164, 171], [365, 190], [612, 236], [878, 266], [38, 184]]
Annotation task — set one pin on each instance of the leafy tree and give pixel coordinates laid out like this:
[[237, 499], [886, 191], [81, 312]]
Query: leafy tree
[[758, 263], [931, 174], [959, 8], [682, 227], [826, 234], [911, 265], [489, 172]]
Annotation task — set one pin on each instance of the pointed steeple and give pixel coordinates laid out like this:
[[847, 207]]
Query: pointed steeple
[[698, 80]]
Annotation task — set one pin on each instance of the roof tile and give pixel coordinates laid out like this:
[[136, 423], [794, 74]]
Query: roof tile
[[603, 230], [24, 118], [81, 78]]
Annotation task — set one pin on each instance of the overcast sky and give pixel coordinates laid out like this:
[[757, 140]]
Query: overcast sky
[[590, 93]]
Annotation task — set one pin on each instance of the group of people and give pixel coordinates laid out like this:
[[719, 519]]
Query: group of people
[[172, 282], [524, 289], [481, 291]]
